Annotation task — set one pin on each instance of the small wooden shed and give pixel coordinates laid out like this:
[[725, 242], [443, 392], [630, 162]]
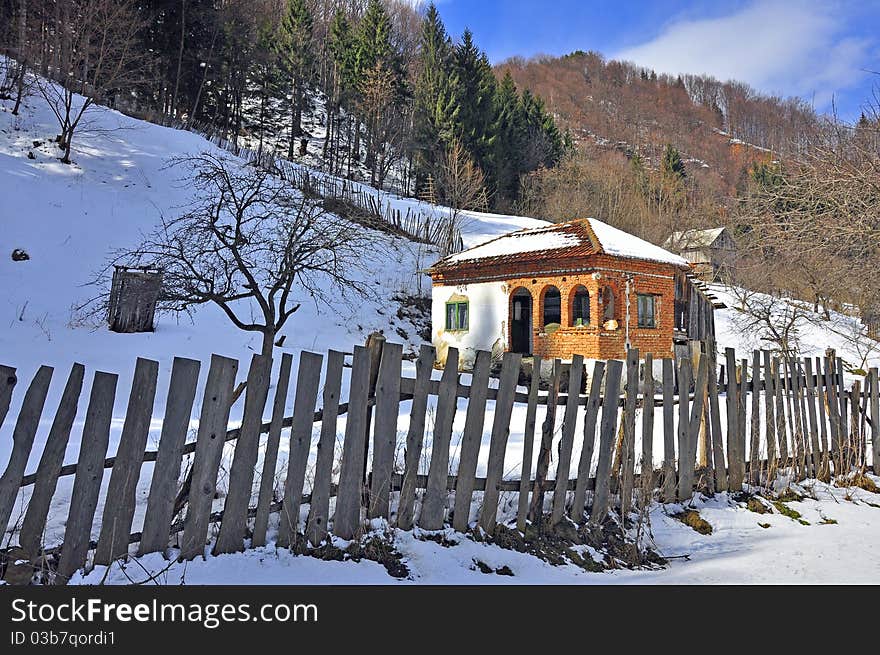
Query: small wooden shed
[[134, 294]]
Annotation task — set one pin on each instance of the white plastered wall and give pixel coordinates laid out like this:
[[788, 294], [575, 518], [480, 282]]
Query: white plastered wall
[[487, 320]]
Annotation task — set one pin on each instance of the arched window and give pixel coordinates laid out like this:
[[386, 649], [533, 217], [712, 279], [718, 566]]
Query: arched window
[[580, 306], [552, 306], [608, 312]]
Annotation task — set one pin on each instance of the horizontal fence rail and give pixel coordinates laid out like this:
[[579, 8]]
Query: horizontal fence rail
[[789, 413]]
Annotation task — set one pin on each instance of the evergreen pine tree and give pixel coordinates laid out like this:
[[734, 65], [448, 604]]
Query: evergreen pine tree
[[295, 48], [509, 136], [476, 99], [436, 110], [672, 166]]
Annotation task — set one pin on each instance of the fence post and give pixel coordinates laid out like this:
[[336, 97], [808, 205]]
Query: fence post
[[213, 421], [528, 446], [473, 437], [734, 457], [347, 519], [166, 471], [415, 436], [586, 460], [536, 506], [270, 458], [769, 417], [50, 463], [385, 429], [308, 377], [629, 431], [755, 442], [434, 501], [875, 419], [566, 443], [233, 526], [319, 507], [685, 463], [122, 489], [22, 441], [608, 427], [89, 473], [510, 367], [647, 464], [669, 481]]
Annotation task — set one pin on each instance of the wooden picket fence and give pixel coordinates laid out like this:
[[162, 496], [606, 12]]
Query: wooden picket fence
[[803, 422]]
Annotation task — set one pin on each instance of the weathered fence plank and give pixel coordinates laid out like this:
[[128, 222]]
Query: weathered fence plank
[[685, 463], [719, 467], [89, 473], [608, 427], [548, 427], [769, 416], [668, 382], [31, 535], [735, 461], [510, 366], [230, 538], [566, 443], [875, 419], [472, 437], [647, 463], [319, 504], [213, 421], [385, 428], [628, 454], [811, 414], [415, 437], [591, 415], [166, 471], [308, 378], [122, 488], [434, 501], [832, 408], [823, 423], [22, 441], [697, 409], [780, 413], [755, 434], [7, 384], [528, 446], [270, 456], [347, 519]]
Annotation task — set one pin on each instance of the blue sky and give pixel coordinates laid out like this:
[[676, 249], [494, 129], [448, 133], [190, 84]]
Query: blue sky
[[820, 51]]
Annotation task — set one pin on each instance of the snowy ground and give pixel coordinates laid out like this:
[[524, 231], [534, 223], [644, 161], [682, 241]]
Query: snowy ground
[[69, 218], [838, 546]]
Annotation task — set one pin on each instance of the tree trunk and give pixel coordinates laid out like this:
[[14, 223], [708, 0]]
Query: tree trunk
[[179, 55]]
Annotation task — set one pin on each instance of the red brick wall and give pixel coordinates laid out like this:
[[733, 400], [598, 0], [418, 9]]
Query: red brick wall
[[593, 341]]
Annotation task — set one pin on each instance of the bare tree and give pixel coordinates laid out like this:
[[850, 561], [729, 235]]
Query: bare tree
[[770, 319], [247, 243], [95, 54], [461, 185]]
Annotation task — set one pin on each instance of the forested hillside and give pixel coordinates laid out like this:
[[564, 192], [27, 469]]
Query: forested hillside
[[374, 90]]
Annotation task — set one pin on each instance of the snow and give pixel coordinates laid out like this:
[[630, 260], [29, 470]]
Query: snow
[[837, 547], [69, 219], [612, 241], [620, 243], [540, 239]]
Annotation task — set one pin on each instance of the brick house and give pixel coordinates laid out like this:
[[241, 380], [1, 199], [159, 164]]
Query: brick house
[[579, 287]]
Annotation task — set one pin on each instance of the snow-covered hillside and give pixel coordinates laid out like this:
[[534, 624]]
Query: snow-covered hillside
[[69, 219]]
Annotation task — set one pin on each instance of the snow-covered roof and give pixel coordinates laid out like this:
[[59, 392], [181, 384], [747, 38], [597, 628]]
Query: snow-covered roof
[[694, 238], [571, 239]]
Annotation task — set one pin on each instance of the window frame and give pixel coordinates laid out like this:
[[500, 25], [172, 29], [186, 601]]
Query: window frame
[[585, 293], [654, 311], [458, 324], [558, 295]]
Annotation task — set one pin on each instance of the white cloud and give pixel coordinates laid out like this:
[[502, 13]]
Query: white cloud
[[775, 46]]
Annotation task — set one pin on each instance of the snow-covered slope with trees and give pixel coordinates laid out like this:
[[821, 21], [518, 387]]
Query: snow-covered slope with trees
[[69, 218]]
